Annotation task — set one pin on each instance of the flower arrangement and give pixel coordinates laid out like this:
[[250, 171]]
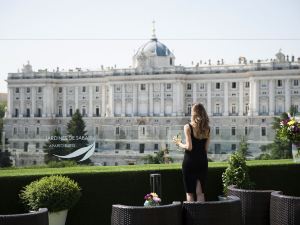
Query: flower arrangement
[[289, 130], [152, 199]]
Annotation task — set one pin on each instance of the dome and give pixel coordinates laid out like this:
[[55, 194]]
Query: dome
[[154, 48]]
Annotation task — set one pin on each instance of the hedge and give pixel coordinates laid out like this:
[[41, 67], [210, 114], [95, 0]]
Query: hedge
[[102, 189]]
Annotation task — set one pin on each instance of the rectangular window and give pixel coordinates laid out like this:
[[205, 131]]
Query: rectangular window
[[60, 110], [15, 130], [168, 86], [39, 89], [246, 131], [127, 146], [96, 145], [117, 145], [117, 130], [218, 85], [189, 86], [26, 130], [28, 90], [217, 148], [201, 86], [296, 82], [233, 108], [233, 147], [83, 89], [233, 131], [217, 130], [155, 146], [279, 83], [233, 85], [60, 90], [37, 131], [247, 84], [263, 131], [37, 145], [16, 112], [26, 147], [143, 87], [27, 112], [17, 90], [97, 88], [142, 148], [96, 130]]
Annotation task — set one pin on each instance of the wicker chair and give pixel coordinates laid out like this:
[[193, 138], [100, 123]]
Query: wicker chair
[[284, 210], [33, 218], [227, 212], [140, 215], [255, 205]]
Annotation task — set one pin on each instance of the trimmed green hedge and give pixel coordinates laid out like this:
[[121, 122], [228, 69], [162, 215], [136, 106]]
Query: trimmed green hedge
[[104, 186]]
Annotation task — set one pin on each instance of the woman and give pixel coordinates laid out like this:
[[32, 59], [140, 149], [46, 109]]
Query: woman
[[195, 164]]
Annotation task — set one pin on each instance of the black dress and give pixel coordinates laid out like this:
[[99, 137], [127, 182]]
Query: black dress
[[195, 164]]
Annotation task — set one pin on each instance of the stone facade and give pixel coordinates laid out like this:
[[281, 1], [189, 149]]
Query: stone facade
[[130, 113]]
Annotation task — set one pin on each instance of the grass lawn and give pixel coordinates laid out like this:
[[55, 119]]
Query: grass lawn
[[42, 170]]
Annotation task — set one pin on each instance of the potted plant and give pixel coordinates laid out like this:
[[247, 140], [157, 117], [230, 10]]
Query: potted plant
[[289, 130], [236, 182], [56, 193]]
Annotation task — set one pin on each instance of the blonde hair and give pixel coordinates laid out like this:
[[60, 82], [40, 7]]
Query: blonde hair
[[200, 121]]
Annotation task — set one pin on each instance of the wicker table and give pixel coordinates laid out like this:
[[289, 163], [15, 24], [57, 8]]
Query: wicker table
[[285, 210], [140, 215], [255, 205], [227, 212], [33, 218]]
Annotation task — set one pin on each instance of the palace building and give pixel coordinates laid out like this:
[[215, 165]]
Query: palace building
[[133, 112]]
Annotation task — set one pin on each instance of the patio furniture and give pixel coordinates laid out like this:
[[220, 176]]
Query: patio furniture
[[226, 212], [284, 210], [255, 205], [141, 215], [32, 218]]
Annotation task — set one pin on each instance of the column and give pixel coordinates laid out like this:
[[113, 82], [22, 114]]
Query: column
[[134, 100], [175, 98], [180, 98], [51, 101], [241, 98], [256, 94], [90, 101], [103, 106], [151, 99], [33, 101], [76, 99], [123, 100], [22, 101], [111, 100], [194, 92], [225, 98], [64, 106], [162, 99], [287, 95], [10, 101], [45, 101], [271, 97], [209, 99]]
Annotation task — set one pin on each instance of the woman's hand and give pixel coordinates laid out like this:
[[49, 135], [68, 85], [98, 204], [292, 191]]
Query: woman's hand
[[176, 140]]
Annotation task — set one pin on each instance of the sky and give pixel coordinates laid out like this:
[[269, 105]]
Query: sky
[[89, 33]]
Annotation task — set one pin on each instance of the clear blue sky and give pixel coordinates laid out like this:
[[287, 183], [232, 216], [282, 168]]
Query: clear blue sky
[[132, 19]]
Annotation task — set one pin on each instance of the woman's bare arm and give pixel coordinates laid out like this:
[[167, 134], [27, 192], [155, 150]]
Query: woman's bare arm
[[188, 140]]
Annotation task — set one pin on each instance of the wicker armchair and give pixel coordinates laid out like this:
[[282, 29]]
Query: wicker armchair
[[227, 212], [140, 215], [284, 210], [255, 205], [33, 218]]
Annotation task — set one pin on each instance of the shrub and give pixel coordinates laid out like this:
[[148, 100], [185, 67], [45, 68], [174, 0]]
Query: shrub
[[54, 192], [64, 163], [236, 173]]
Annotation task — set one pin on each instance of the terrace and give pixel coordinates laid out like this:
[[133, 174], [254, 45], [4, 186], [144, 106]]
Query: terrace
[[104, 186]]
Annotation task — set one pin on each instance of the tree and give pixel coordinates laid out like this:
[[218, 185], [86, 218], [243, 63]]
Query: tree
[[278, 149], [54, 146], [160, 157], [5, 160], [243, 148], [77, 134]]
